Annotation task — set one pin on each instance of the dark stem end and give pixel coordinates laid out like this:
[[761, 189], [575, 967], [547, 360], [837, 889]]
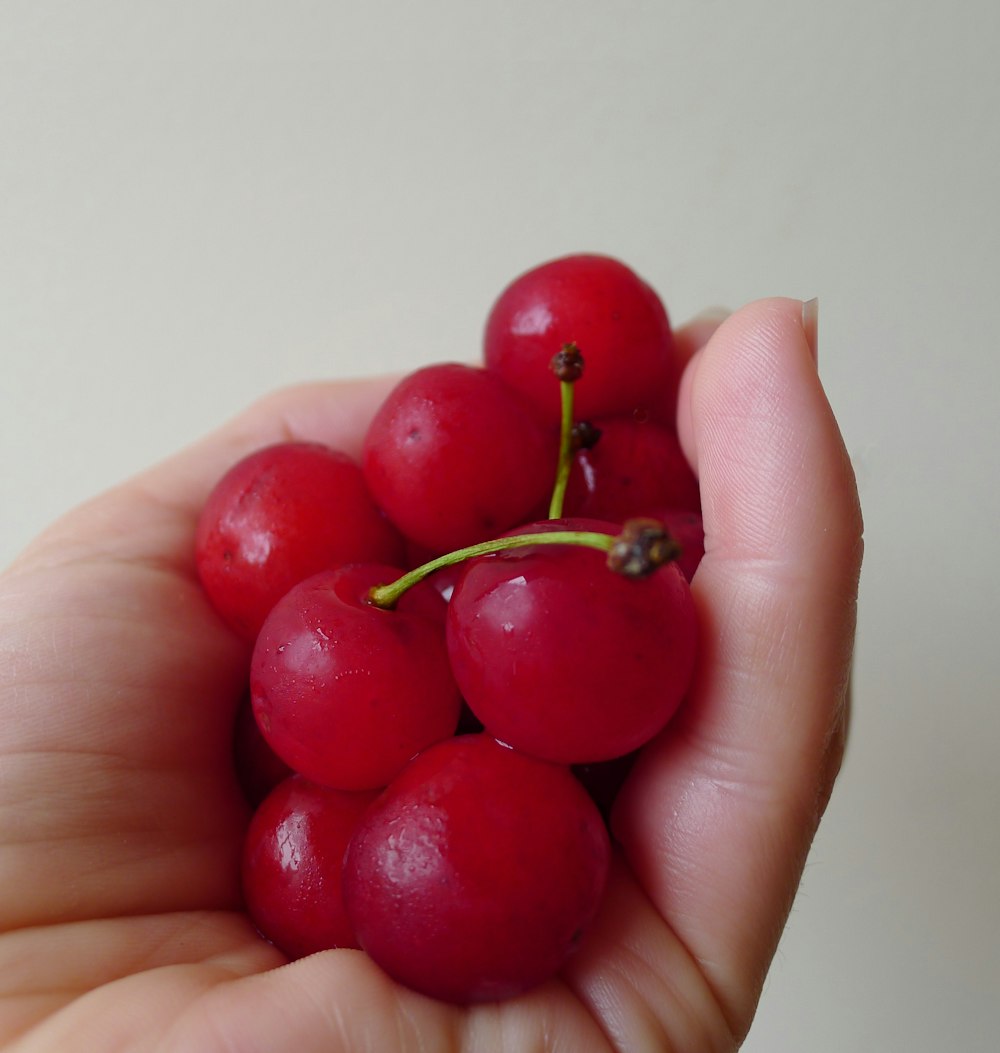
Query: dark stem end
[[584, 435], [643, 546], [567, 364]]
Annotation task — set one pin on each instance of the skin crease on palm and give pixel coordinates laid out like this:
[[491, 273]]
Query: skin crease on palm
[[121, 822]]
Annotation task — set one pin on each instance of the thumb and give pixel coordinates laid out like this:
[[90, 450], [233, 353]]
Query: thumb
[[718, 816]]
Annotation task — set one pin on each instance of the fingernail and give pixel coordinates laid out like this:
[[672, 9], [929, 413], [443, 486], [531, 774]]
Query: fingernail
[[810, 325]]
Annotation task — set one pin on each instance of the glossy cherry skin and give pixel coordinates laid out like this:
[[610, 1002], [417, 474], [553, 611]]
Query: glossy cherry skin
[[279, 516], [454, 456], [293, 860], [345, 692], [615, 318], [566, 660], [634, 467], [474, 875]]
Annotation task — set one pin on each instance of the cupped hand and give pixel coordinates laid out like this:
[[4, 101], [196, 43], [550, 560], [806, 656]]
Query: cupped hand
[[121, 820]]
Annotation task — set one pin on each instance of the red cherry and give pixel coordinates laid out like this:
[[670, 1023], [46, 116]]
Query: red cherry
[[345, 692], [292, 863], [455, 457], [474, 875], [278, 516], [566, 660], [609, 312], [633, 467]]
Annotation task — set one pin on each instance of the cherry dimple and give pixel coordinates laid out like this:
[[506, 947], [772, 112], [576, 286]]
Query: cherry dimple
[[609, 312]]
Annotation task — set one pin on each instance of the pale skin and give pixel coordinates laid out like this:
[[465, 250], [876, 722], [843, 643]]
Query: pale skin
[[121, 821]]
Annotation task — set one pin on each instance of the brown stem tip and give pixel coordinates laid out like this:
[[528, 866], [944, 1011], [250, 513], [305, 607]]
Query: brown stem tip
[[642, 547], [584, 435], [567, 364]]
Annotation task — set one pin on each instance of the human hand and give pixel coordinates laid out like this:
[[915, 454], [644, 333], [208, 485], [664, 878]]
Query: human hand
[[121, 820]]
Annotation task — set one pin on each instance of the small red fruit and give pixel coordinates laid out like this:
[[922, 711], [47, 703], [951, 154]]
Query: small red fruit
[[631, 469], [475, 874], [292, 863], [454, 456], [566, 660], [346, 692], [609, 312], [278, 516]]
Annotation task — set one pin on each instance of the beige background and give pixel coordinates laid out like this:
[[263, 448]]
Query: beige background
[[202, 200]]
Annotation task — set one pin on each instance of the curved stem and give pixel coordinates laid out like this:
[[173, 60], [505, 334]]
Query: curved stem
[[387, 596]]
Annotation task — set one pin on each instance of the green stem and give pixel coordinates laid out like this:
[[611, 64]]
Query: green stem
[[565, 450], [387, 596]]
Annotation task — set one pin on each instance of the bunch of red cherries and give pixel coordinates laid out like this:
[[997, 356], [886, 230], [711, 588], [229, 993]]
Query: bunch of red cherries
[[461, 642]]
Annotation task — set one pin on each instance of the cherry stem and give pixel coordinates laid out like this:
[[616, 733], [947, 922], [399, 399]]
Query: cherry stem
[[642, 547], [567, 364]]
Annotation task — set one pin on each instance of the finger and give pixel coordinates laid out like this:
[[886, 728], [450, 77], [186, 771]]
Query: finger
[[119, 686], [339, 1001], [695, 334], [719, 814]]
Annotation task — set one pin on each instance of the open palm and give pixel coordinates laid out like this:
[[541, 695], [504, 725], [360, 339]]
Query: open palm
[[121, 820]]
